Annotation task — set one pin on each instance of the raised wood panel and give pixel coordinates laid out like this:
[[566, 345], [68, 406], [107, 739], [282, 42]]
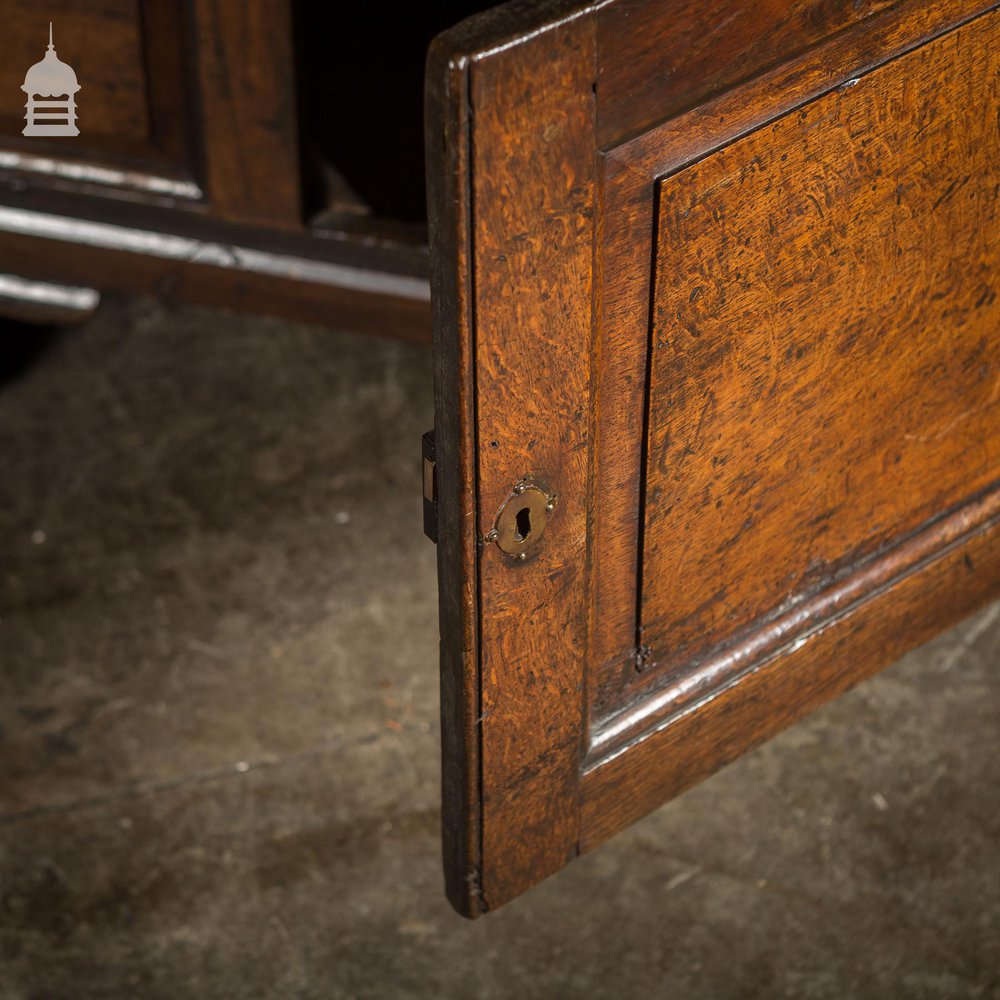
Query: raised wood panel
[[193, 102], [136, 108], [825, 366], [630, 176]]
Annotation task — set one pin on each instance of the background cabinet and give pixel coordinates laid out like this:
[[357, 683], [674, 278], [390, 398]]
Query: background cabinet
[[264, 156]]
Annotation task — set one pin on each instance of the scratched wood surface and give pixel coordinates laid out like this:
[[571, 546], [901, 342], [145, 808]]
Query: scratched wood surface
[[631, 172], [513, 290], [825, 367], [534, 290], [840, 319]]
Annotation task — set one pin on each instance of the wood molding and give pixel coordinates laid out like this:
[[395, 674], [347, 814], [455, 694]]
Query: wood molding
[[785, 633], [449, 197], [45, 302], [771, 695]]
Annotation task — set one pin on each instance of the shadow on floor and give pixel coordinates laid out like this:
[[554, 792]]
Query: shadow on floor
[[218, 725]]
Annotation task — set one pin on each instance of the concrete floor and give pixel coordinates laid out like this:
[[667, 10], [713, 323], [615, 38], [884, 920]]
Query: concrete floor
[[218, 726]]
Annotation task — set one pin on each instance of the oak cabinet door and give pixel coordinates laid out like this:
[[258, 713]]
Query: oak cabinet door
[[718, 388]]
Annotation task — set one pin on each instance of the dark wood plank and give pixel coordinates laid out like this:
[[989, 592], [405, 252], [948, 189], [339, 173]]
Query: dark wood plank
[[249, 132], [449, 207]]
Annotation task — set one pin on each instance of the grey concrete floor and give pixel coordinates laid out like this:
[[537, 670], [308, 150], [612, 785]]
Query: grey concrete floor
[[218, 725]]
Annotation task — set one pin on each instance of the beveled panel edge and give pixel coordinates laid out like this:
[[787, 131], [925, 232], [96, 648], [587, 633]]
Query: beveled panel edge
[[789, 631], [940, 592]]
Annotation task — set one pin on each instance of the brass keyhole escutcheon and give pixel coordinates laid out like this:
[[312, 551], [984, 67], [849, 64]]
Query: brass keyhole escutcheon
[[522, 519]]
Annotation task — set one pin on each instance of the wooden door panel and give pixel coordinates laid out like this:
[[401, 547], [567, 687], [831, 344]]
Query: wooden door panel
[[824, 374], [741, 334]]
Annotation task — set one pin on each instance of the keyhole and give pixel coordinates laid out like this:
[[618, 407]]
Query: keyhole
[[523, 522]]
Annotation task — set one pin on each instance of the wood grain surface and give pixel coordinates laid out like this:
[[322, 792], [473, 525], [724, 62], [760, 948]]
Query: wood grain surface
[[249, 128], [656, 62], [825, 368], [534, 287], [133, 109], [745, 326]]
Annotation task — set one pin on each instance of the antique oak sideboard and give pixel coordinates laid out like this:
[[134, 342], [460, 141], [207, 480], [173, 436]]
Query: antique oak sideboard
[[714, 298]]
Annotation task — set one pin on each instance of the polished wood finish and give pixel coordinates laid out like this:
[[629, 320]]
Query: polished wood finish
[[632, 170], [889, 620], [655, 64], [824, 371], [764, 389], [533, 127], [491, 669]]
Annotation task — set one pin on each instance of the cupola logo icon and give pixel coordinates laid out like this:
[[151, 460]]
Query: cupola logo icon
[[51, 88]]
